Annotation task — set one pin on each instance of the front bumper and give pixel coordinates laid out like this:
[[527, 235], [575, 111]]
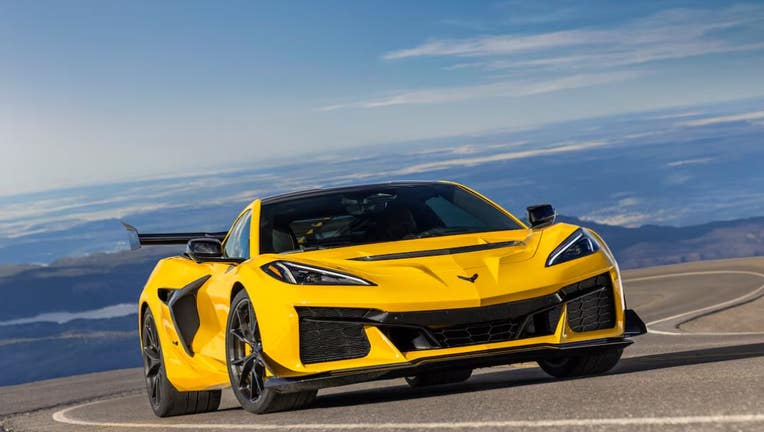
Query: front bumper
[[329, 334], [339, 346], [464, 361]]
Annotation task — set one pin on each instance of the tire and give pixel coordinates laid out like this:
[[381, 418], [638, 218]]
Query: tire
[[592, 363], [164, 399], [439, 378], [246, 364]]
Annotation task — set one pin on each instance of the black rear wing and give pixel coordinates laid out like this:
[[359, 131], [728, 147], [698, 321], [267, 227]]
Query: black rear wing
[[137, 239]]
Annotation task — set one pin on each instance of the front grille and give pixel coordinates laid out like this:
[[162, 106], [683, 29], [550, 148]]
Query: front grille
[[475, 333], [322, 341], [328, 334], [594, 311]]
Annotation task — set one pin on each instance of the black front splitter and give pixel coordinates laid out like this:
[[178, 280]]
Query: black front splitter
[[495, 357]]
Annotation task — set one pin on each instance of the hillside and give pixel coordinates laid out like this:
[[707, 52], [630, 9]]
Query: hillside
[[652, 245]]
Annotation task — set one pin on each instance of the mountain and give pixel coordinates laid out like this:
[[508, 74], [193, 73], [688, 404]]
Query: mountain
[[652, 245]]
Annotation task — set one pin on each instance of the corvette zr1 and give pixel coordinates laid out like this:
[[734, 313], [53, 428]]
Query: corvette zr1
[[418, 280]]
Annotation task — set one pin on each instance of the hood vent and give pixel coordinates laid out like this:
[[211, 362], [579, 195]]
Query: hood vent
[[437, 252]]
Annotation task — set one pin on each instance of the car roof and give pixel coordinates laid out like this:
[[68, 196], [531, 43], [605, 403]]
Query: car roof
[[355, 188]]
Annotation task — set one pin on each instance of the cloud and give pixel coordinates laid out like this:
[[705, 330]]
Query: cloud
[[670, 34], [450, 163], [677, 115], [571, 58], [628, 219], [510, 88], [723, 119], [494, 45], [628, 202], [684, 162]]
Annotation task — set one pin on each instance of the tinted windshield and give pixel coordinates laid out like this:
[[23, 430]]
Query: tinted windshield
[[376, 214]]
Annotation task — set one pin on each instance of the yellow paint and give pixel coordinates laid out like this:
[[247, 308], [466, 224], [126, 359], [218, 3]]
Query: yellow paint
[[414, 284]]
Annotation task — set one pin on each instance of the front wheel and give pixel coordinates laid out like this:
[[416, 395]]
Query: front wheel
[[592, 363], [165, 400], [247, 369]]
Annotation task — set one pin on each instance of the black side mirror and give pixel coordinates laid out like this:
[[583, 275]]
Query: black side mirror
[[200, 249], [541, 215]]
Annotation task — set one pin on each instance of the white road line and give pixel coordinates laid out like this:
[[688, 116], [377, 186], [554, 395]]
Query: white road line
[[758, 291], [63, 417]]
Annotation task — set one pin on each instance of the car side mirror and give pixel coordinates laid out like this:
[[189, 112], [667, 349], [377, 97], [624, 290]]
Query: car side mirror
[[200, 249], [541, 215]]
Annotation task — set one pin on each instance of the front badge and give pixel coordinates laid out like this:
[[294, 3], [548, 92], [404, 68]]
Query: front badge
[[472, 278]]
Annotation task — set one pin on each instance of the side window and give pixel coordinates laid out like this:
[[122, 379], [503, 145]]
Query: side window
[[237, 245]]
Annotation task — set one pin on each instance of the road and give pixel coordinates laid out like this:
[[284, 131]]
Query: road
[[700, 368]]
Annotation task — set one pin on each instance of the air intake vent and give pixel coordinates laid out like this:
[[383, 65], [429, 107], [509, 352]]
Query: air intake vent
[[328, 341], [593, 311]]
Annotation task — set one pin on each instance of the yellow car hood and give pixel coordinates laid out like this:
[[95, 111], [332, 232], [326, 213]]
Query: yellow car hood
[[435, 270]]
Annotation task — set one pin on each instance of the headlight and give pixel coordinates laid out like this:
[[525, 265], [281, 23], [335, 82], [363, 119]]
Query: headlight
[[301, 274], [579, 244]]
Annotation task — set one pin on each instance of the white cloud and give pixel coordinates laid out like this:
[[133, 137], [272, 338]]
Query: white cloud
[[628, 202], [685, 162], [465, 149], [723, 119], [496, 45], [573, 58], [671, 34], [450, 163], [629, 219], [611, 57], [677, 115], [512, 88]]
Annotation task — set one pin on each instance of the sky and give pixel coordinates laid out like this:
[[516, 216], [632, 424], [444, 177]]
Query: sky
[[104, 91]]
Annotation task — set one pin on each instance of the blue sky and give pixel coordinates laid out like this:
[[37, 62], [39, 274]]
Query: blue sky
[[97, 91]]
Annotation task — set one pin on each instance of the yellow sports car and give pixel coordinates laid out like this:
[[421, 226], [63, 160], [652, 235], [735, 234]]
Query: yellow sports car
[[418, 280]]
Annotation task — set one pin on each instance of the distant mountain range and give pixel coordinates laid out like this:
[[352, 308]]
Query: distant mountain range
[[653, 245]]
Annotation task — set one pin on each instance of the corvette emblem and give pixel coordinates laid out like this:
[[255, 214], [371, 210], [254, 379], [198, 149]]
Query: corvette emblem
[[469, 278]]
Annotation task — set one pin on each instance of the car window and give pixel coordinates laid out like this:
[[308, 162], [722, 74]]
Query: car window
[[237, 245], [451, 214], [377, 213]]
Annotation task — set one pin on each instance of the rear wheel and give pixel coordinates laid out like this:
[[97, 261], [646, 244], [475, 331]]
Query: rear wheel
[[165, 400], [439, 377], [246, 364], [592, 363]]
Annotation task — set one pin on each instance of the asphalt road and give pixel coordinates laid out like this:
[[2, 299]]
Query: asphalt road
[[701, 368]]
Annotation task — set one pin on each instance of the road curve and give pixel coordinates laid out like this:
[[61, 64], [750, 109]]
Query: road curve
[[700, 368]]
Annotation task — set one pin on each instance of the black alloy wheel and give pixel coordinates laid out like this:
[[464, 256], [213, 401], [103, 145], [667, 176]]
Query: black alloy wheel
[[164, 398], [247, 367]]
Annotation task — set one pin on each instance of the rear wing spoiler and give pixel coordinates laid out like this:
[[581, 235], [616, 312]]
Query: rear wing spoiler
[[137, 239]]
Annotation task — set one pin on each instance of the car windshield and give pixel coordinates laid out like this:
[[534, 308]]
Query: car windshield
[[372, 214]]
